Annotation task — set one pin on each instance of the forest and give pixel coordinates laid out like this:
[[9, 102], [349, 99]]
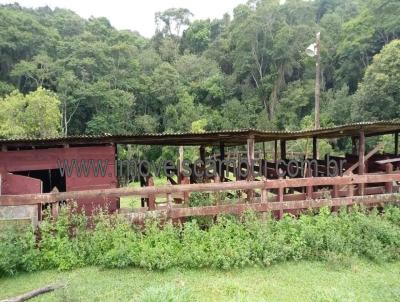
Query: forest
[[61, 74]]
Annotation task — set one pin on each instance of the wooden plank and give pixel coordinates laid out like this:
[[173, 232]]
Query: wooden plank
[[176, 213], [366, 157], [222, 158], [180, 164], [250, 158], [388, 161], [389, 184], [203, 187], [152, 198], [280, 198], [315, 147], [361, 160], [250, 166]]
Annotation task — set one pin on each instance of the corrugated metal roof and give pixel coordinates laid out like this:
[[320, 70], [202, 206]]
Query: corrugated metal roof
[[229, 137]]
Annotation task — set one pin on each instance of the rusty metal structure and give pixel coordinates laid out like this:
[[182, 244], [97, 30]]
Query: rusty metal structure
[[366, 177]]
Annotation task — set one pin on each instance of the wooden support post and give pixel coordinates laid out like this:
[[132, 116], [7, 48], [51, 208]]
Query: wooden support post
[[169, 206], [250, 158], [264, 152], [335, 191], [309, 188], [314, 148], [264, 195], [203, 153], [186, 195], [283, 149], [222, 158], [350, 192], [180, 164], [396, 143], [389, 185], [335, 194], [361, 160], [280, 199], [151, 201], [250, 165]]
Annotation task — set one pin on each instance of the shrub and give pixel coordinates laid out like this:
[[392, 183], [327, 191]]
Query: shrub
[[17, 250], [111, 241], [159, 248]]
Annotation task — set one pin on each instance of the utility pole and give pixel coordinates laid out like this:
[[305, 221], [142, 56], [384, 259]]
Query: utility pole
[[317, 80]]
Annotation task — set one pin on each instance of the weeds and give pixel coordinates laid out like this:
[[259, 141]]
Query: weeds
[[229, 242]]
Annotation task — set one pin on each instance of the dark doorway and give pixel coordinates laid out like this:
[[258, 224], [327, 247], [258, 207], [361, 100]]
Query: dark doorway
[[50, 178]]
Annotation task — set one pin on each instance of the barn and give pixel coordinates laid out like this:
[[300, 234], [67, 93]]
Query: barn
[[33, 173], [48, 165]]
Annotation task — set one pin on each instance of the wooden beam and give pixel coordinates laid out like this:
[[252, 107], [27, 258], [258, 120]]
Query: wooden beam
[[26, 199], [275, 150], [368, 156], [222, 158], [151, 201], [396, 143], [250, 157], [264, 152], [180, 164], [202, 153], [250, 166], [315, 147], [389, 185], [361, 159], [239, 208]]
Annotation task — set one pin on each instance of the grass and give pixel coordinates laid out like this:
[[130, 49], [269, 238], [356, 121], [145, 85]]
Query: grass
[[302, 281], [134, 202]]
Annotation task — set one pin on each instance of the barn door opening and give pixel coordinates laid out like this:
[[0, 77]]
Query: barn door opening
[[50, 178]]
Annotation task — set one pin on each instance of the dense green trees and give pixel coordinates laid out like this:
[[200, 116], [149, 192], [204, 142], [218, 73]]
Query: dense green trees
[[248, 70], [36, 114], [378, 96]]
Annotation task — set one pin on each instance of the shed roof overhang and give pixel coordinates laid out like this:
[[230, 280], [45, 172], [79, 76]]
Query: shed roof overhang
[[228, 137]]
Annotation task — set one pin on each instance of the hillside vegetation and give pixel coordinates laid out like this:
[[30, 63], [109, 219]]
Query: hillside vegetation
[[245, 70]]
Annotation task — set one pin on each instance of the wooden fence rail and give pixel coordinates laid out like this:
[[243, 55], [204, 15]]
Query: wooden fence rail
[[29, 199]]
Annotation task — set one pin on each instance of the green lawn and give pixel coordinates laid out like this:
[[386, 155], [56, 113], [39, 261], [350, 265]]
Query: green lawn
[[304, 281]]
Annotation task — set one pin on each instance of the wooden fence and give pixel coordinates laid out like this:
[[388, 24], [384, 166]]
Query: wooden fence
[[272, 195]]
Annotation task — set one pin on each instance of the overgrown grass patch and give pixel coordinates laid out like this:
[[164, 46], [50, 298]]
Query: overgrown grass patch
[[227, 243]]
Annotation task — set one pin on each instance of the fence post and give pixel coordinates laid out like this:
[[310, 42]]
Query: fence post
[[309, 188], [361, 161], [152, 197], [389, 185], [250, 166], [335, 194], [280, 198], [264, 196]]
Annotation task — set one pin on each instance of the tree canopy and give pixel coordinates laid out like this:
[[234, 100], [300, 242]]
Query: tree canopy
[[245, 70]]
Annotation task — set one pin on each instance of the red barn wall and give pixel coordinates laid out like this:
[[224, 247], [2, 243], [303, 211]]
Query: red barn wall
[[43, 159]]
